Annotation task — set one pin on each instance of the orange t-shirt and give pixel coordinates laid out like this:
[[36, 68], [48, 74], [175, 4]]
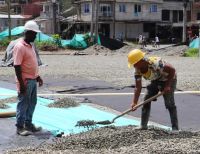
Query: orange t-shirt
[[25, 56]]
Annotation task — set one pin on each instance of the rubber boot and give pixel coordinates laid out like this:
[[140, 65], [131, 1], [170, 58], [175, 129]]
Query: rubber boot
[[145, 116], [174, 118]]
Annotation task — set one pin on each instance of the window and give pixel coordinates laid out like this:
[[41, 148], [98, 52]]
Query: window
[[153, 8], [177, 16], [137, 9], [198, 16], [122, 8], [46, 8], [165, 15], [180, 15], [105, 10], [86, 8]]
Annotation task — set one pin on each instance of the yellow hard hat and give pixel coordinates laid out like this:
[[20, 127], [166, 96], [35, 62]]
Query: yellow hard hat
[[135, 56]]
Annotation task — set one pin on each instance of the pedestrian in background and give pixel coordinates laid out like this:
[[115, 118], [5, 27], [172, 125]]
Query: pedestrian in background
[[26, 70], [157, 41], [140, 41], [163, 78], [144, 41]]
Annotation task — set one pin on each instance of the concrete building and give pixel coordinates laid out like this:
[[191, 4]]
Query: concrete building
[[130, 18], [20, 10]]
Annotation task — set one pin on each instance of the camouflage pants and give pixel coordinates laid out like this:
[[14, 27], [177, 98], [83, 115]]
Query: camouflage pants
[[152, 89]]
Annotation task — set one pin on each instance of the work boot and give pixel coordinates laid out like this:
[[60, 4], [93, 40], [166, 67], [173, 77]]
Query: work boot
[[145, 116], [141, 128], [32, 128], [23, 132], [174, 119]]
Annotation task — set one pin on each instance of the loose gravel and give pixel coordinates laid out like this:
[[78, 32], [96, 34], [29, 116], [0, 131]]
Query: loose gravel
[[112, 68], [64, 103], [126, 140], [3, 102]]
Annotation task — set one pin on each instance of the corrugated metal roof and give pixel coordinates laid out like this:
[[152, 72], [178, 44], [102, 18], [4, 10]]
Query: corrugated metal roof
[[5, 16]]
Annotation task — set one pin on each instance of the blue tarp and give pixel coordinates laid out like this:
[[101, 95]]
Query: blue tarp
[[194, 43], [59, 120]]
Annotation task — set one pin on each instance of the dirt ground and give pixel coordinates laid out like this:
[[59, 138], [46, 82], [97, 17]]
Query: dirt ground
[[99, 63]]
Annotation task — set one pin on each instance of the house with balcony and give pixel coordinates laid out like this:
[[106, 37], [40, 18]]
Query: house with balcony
[[130, 18], [121, 18]]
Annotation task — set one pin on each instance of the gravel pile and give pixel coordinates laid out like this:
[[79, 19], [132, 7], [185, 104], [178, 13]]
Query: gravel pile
[[93, 50], [170, 51], [64, 103], [125, 140]]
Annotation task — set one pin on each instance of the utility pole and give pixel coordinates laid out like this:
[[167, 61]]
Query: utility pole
[[184, 20], [54, 17], [114, 2], [9, 19], [92, 21], [96, 20]]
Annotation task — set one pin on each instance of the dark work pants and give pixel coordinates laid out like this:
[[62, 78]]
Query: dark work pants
[[152, 89], [26, 104]]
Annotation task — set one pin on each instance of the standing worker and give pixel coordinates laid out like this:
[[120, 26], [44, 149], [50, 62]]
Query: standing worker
[[26, 70], [162, 76]]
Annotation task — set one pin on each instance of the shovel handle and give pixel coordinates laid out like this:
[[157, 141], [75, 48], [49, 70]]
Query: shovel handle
[[138, 105], [7, 114]]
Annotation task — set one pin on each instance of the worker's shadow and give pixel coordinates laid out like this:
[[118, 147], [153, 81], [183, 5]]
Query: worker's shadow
[[43, 134]]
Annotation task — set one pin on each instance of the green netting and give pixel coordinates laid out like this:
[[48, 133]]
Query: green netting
[[79, 41], [194, 43]]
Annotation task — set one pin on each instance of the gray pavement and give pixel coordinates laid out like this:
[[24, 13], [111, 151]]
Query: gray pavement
[[187, 104]]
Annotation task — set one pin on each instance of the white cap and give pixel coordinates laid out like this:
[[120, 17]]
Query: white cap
[[31, 25]]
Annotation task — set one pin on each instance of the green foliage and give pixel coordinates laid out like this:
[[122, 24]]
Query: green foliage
[[57, 40], [88, 39], [5, 42], [46, 45], [192, 52]]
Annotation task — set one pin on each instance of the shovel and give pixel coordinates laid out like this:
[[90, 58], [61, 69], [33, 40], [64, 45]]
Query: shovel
[[107, 122]]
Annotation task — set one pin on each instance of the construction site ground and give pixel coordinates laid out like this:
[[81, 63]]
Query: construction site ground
[[100, 70]]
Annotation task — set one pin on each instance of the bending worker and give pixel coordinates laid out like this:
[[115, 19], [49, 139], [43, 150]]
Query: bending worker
[[162, 76]]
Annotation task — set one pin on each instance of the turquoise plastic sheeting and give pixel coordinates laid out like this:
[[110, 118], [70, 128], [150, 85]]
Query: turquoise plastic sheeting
[[43, 37], [78, 41], [194, 43], [59, 120], [7, 93], [15, 31]]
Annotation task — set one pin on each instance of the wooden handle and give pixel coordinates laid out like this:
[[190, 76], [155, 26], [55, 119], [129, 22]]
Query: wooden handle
[[148, 100], [138, 105], [7, 114]]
